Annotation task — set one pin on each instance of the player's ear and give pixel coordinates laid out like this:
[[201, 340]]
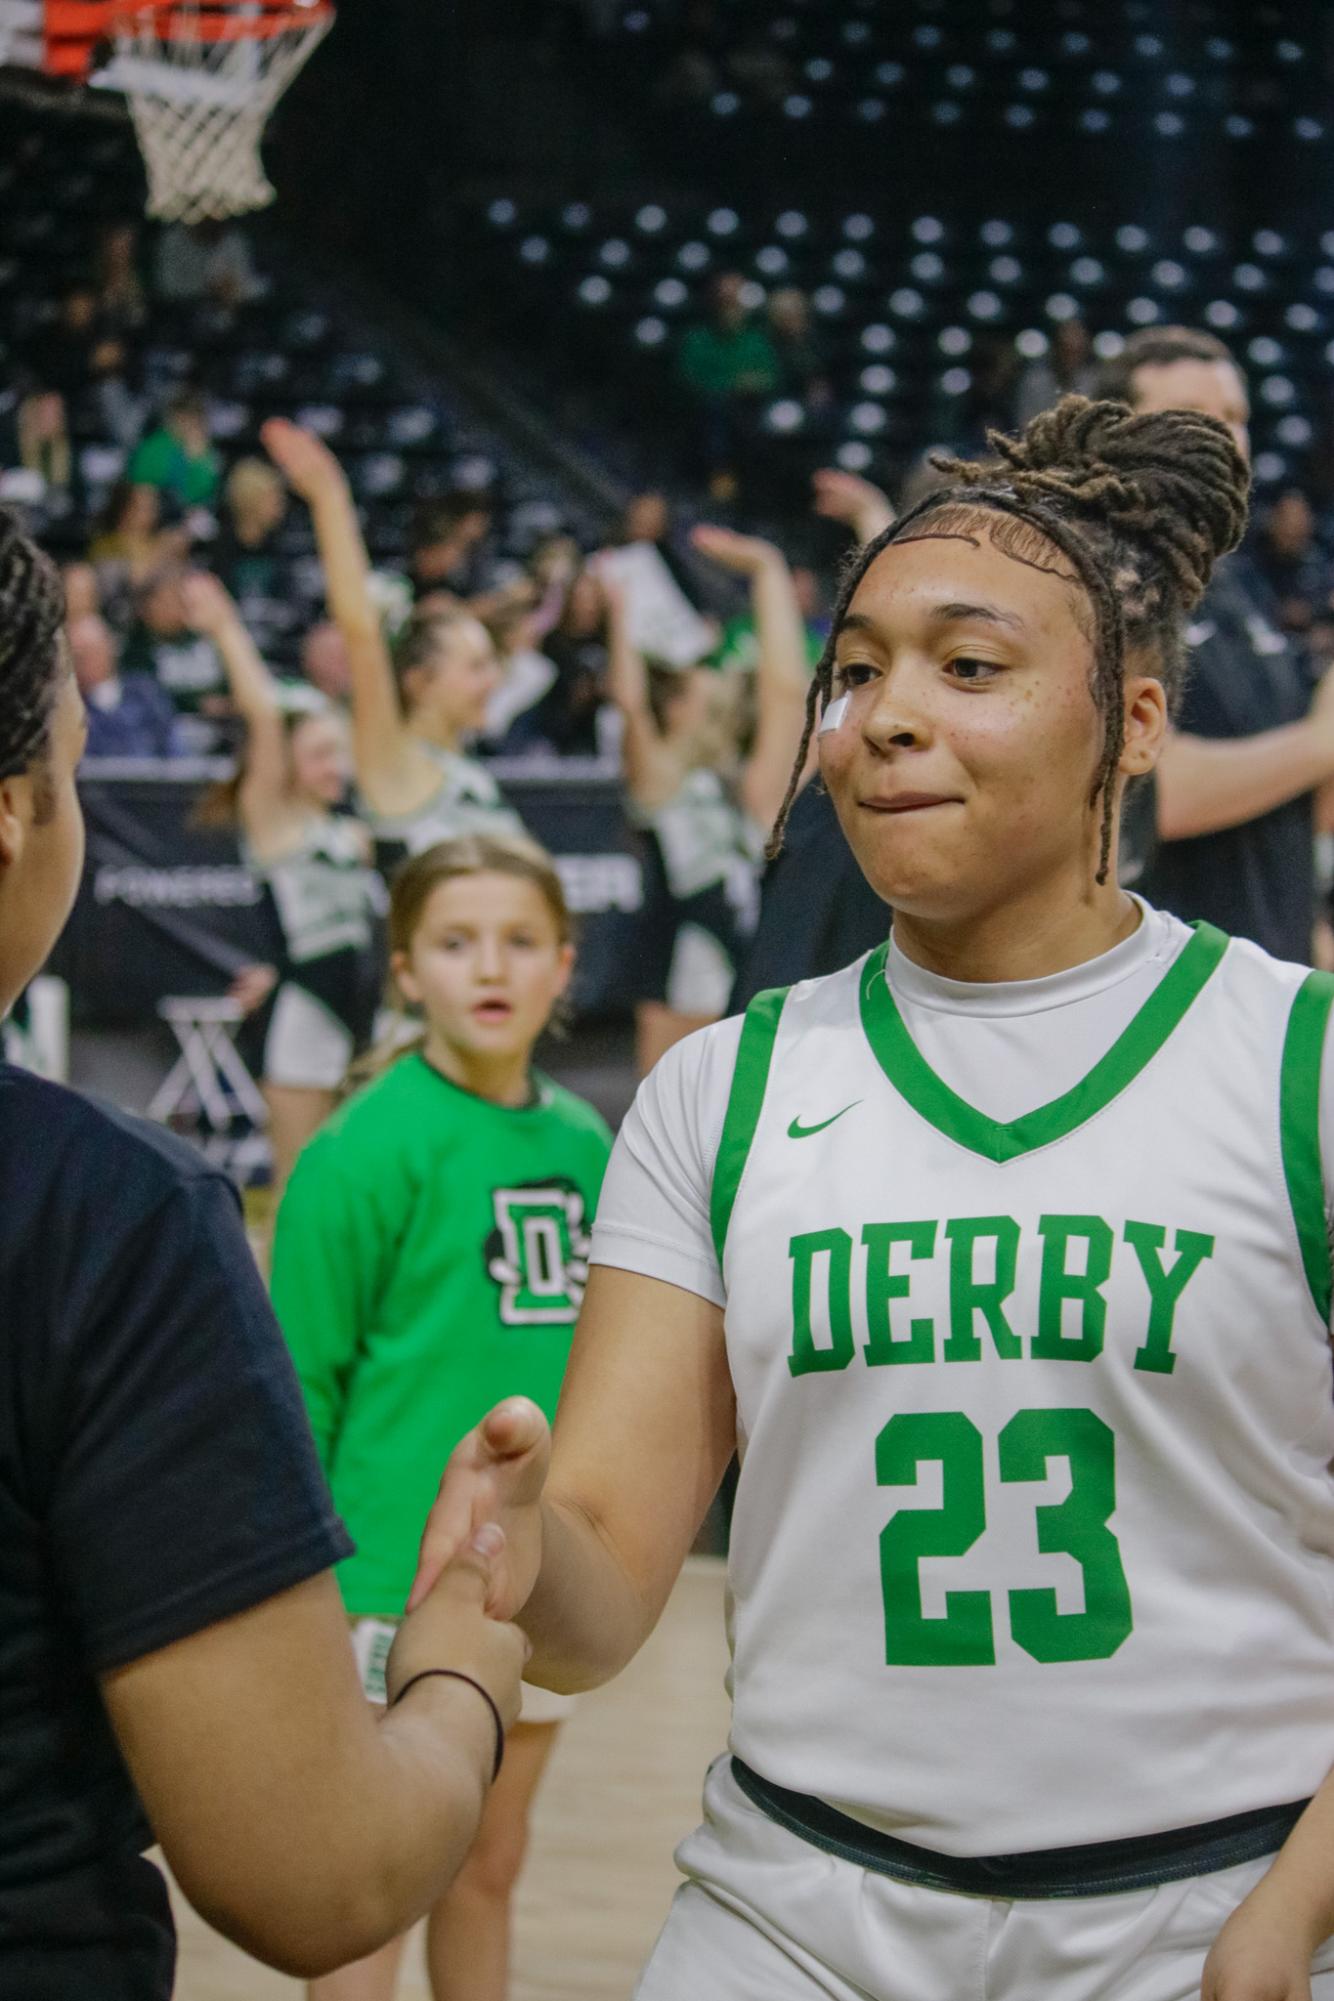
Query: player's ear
[[15, 817], [400, 965], [564, 970], [1145, 719]]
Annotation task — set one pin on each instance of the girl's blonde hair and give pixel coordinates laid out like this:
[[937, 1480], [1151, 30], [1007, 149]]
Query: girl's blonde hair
[[416, 880]]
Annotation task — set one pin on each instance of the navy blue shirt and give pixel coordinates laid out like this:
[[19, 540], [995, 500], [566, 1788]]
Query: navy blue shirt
[[157, 1474], [1257, 880]]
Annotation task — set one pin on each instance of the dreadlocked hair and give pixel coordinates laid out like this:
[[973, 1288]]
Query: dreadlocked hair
[[1140, 505], [32, 613]]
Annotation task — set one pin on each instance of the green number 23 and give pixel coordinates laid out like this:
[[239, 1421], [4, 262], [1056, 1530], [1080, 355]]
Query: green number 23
[[1076, 1526]]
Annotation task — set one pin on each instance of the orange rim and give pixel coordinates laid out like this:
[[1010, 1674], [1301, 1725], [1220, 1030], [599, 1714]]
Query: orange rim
[[216, 21]]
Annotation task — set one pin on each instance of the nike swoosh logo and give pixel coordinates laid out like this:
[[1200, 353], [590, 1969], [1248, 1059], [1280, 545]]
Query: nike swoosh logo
[[798, 1131]]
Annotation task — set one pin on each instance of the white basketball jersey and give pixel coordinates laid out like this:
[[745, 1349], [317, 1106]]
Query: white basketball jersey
[[1034, 1536]]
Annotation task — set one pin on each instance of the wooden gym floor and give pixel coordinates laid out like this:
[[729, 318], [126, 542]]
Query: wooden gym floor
[[623, 1787]]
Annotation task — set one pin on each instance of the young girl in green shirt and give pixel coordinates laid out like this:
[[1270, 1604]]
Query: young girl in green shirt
[[429, 1259]]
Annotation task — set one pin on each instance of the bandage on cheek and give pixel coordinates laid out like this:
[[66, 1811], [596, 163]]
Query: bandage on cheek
[[834, 714]]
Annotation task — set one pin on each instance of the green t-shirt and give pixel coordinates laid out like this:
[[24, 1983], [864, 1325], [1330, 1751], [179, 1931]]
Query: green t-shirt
[[161, 460], [430, 1255]]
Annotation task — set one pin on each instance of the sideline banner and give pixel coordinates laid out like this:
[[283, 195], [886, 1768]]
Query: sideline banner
[[167, 907]]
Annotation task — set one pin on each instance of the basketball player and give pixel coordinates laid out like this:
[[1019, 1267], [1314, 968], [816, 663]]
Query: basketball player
[[1003, 1257]]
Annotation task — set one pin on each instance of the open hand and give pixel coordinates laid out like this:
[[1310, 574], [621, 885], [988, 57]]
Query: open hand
[[745, 554], [495, 1474], [207, 606], [856, 502], [306, 462]]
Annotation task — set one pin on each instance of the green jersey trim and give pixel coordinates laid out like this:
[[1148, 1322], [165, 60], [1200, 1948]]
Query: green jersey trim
[[753, 1058], [1139, 1042], [1299, 1131]]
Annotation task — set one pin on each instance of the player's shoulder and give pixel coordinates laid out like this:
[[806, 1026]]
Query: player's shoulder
[[1250, 971], [378, 1121], [79, 1150]]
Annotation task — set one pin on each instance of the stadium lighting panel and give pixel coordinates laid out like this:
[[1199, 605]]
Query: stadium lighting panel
[[651, 331], [791, 223], [1108, 345], [867, 418], [946, 112], [651, 218], [1199, 241], [723, 222], [785, 416], [1094, 120], [956, 381], [502, 214], [576, 216], [906, 303], [1302, 318], [535, 250], [797, 106], [870, 109], [1132, 239], [615, 253], [1019, 116], [772, 261], [1005, 270], [694, 256], [595, 291], [848, 264], [1064, 236], [1238, 127], [1309, 129], [1265, 352], [829, 299], [928, 229], [1221, 314], [996, 233], [670, 292], [1061, 306], [878, 339], [1169, 125], [1168, 275], [724, 104], [1269, 468], [927, 267], [1249, 278], [858, 228], [1032, 344], [854, 456], [1143, 312], [1278, 392], [877, 380], [1295, 431], [1087, 271], [985, 305]]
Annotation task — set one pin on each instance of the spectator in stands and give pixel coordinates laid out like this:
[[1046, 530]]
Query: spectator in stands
[[82, 596], [727, 363], [62, 355], [128, 715], [1067, 368], [449, 538], [526, 675], [183, 662], [130, 531], [1238, 775], [245, 556], [122, 305], [178, 457], [648, 520], [413, 715], [43, 439], [205, 262], [802, 364], [324, 662], [1292, 568], [565, 718]]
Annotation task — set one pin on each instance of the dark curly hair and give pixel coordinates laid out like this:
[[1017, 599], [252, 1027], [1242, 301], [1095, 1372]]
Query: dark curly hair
[[32, 663], [1141, 507]]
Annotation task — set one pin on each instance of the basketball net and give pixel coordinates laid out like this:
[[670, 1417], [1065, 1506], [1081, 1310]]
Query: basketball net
[[201, 80]]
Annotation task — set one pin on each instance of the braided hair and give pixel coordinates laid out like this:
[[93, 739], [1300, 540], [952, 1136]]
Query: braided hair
[[32, 614], [1140, 506]]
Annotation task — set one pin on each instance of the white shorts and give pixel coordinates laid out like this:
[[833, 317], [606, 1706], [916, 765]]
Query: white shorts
[[307, 1047], [372, 1639], [765, 1916]]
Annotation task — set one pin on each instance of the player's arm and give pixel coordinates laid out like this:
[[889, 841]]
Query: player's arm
[[210, 610], [1206, 784], [651, 773], [297, 1826], [645, 1428], [781, 675], [1265, 1949], [389, 762]]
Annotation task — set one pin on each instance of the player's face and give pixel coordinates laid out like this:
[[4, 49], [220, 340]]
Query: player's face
[[1214, 388], [486, 965], [464, 679], [321, 765], [963, 764], [41, 849]]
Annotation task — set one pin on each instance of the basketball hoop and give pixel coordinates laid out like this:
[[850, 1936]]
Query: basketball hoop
[[202, 79]]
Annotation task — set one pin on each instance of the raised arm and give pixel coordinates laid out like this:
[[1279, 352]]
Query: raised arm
[[846, 497], [781, 675], [387, 757], [263, 790], [651, 773]]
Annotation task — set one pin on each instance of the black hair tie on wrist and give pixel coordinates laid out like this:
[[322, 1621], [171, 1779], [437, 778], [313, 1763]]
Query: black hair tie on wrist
[[455, 1674]]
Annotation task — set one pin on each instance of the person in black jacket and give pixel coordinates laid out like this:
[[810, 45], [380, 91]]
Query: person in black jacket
[[174, 1660]]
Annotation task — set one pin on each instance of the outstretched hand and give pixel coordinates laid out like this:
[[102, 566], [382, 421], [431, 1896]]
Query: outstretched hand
[[306, 462], [744, 554], [495, 1474], [207, 606], [856, 502]]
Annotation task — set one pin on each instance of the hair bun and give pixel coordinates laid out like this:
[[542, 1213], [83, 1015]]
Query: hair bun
[[1173, 480]]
